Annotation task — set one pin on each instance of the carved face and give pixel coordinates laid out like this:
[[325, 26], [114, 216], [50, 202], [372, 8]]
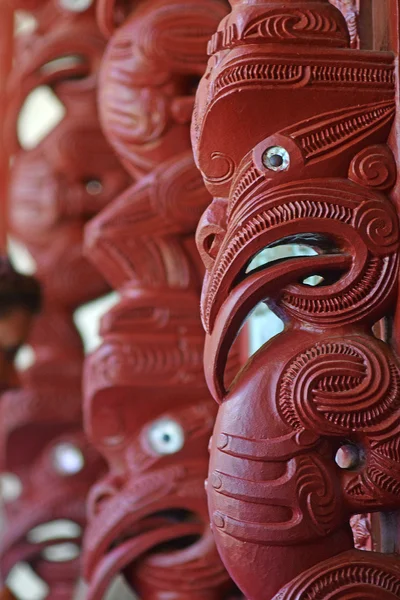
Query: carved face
[[146, 88], [149, 512], [73, 174], [148, 517], [307, 434], [54, 467], [53, 193], [267, 180]]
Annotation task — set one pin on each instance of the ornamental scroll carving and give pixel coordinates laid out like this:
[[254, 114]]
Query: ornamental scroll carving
[[55, 187], [290, 133], [147, 407]]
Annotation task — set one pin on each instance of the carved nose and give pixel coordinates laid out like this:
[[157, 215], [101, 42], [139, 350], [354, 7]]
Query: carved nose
[[102, 493]]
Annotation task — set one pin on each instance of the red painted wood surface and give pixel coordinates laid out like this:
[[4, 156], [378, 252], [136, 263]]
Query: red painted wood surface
[[291, 133], [51, 197], [295, 133], [147, 407]]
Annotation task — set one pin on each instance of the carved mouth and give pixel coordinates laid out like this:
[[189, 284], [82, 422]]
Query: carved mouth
[[271, 218], [43, 543], [155, 534], [254, 233], [163, 529]]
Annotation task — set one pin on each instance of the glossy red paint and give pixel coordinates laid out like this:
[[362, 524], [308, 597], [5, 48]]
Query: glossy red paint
[[147, 407], [290, 133]]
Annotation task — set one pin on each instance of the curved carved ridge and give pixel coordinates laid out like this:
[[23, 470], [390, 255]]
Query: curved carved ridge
[[147, 407], [368, 576], [265, 23], [307, 436], [267, 220]]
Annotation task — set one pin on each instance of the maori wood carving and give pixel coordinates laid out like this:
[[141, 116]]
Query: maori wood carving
[[55, 188], [291, 132], [147, 407]]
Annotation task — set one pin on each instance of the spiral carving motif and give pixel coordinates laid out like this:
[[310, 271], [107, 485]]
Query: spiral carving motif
[[366, 577], [302, 23], [327, 373], [312, 170], [283, 24], [378, 226], [374, 167], [225, 167]]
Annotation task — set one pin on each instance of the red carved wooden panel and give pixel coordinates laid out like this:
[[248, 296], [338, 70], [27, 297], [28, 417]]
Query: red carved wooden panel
[[55, 187], [147, 407], [294, 133], [291, 133]]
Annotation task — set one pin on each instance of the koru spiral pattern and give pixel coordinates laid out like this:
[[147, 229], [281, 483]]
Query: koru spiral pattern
[[290, 133]]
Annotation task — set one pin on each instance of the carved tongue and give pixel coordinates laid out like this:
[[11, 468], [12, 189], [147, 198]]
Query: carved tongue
[[243, 299], [128, 552]]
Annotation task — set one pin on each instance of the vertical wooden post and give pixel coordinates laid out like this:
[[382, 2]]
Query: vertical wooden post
[[54, 188], [291, 133], [6, 53], [147, 407]]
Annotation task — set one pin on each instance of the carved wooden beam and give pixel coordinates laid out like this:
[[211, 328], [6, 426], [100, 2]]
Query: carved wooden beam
[[291, 135], [147, 407]]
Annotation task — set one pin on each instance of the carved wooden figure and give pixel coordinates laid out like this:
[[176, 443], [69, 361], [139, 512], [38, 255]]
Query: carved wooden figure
[[147, 407], [55, 187], [291, 135]]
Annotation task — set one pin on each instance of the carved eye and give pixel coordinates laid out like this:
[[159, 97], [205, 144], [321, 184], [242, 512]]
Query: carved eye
[[94, 187], [349, 457], [166, 436], [68, 459], [276, 158]]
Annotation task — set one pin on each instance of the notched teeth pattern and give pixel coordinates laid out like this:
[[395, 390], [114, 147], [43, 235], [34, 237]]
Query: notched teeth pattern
[[323, 139], [341, 577], [262, 222]]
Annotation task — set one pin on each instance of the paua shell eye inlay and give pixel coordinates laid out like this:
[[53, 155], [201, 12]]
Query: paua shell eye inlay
[[276, 159]]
